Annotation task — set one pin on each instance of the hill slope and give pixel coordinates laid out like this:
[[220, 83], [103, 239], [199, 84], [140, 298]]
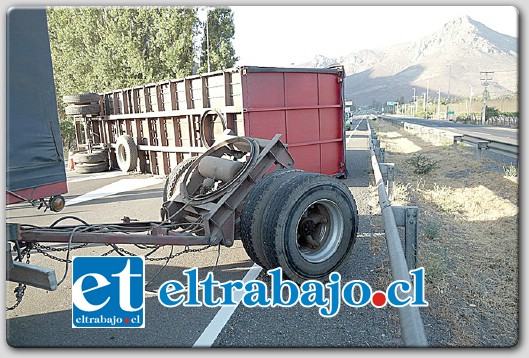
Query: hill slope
[[449, 60]]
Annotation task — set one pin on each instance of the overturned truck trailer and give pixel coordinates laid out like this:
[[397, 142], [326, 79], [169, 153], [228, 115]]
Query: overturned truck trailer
[[153, 127]]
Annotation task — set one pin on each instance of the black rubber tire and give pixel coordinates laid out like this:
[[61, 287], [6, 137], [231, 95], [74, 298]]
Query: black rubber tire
[[94, 157], [174, 176], [285, 210], [126, 153], [253, 210], [81, 98], [87, 168], [82, 109]]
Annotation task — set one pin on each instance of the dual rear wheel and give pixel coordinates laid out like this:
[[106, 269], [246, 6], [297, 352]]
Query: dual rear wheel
[[305, 223]]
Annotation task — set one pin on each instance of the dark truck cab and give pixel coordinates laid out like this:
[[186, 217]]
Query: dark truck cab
[[35, 168]]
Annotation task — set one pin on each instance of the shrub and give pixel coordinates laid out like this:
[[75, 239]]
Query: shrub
[[422, 164]]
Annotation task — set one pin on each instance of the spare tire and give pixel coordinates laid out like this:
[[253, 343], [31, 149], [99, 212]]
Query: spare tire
[[94, 157], [83, 109], [126, 153], [174, 176], [81, 98], [87, 168]]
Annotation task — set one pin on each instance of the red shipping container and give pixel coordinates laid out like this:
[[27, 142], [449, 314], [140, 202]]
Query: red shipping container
[[305, 106]]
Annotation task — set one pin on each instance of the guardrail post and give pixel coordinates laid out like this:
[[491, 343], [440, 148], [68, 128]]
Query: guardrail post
[[408, 217], [482, 144], [457, 138], [382, 154], [376, 145], [388, 170]]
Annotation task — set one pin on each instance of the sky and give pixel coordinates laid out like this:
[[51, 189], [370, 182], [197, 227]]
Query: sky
[[283, 35]]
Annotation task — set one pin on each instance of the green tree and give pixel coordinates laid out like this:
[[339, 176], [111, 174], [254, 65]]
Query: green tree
[[219, 31], [67, 134], [97, 49], [492, 112]]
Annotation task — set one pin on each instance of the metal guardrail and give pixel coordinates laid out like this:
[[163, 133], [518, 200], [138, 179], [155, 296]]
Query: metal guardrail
[[411, 323], [503, 148]]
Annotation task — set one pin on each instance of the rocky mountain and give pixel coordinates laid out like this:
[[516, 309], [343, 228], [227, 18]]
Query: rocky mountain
[[449, 60]]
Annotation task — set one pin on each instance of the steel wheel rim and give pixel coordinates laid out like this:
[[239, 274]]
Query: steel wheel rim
[[324, 222]]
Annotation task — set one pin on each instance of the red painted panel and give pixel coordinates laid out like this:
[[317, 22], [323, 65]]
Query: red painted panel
[[303, 126], [301, 89], [44, 191], [267, 124], [265, 90], [329, 89], [330, 123], [291, 102], [306, 157], [330, 152]]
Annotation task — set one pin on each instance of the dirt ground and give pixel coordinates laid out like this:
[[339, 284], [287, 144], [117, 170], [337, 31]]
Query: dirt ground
[[468, 237]]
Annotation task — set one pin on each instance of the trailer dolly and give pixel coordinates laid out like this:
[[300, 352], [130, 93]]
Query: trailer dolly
[[307, 221]]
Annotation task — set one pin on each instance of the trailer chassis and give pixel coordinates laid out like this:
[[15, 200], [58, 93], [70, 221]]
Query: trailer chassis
[[215, 214]]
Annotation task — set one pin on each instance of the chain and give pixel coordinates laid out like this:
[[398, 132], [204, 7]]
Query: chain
[[21, 288], [40, 248], [122, 251]]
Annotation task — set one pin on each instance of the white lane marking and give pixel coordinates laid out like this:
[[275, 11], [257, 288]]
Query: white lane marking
[[120, 186], [354, 130], [212, 331], [97, 176]]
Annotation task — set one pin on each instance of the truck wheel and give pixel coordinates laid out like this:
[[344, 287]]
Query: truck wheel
[[126, 153], [252, 213], [312, 223], [81, 98], [87, 168], [174, 176], [82, 109], [56, 203], [94, 157]]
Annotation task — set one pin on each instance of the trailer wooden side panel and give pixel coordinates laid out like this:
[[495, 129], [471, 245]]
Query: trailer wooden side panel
[[175, 119]]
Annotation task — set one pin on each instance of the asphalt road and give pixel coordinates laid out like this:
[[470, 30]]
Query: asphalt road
[[506, 135], [43, 319]]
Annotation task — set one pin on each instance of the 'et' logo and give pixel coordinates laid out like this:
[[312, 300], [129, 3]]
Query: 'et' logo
[[108, 292]]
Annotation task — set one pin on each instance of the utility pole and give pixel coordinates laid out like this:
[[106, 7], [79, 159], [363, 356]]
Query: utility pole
[[424, 103], [486, 78], [414, 108], [448, 95], [207, 36], [439, 104], [427, 88], [205, 10], [470, 101]]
